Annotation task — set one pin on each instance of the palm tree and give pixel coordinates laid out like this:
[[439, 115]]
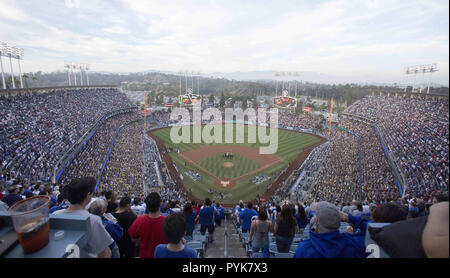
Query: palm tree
[[25, 76]]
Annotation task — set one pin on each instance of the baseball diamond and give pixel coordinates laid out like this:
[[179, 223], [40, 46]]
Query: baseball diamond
[[228, 169]]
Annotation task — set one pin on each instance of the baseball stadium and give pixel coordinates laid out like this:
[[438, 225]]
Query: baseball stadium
[[252, 130]]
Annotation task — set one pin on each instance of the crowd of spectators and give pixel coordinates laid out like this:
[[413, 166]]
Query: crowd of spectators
[[303, 121], [90, 159], [35, 132], [37, 129], [378, 181], [339, 177], [124, 171], [416, 134]]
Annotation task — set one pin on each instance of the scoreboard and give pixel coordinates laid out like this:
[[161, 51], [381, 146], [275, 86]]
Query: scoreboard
[[285, 102]]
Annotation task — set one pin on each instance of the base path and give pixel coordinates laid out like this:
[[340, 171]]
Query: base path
[[247, 152]]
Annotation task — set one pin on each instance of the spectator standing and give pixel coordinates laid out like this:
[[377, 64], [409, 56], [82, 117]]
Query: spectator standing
[[147, 230], [327, 241], [220, 212], [246, 217], [206, 219], [259, 233], [174, 230], [137, 207], [285, 229], [79, 193], [190, 215], [111, 198], [98, 207], [125, 217], [13, 195], [302, 220]]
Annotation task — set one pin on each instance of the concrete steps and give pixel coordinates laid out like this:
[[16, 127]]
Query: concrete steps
[[234, 246]]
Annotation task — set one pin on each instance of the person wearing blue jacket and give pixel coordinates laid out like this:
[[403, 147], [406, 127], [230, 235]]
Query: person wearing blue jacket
[[98, 207], [220, 212], [327, 241], [206, 217], [246, 216]]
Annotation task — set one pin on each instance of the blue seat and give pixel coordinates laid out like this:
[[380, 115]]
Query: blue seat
[[289, 255], [293, 248], [197, 246], [257, 255], [273, 248]]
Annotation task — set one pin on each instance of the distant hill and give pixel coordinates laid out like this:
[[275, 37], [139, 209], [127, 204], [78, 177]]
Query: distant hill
[[242, 84]]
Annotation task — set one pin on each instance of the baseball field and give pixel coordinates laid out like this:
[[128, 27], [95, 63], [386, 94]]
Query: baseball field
[[232, 172]]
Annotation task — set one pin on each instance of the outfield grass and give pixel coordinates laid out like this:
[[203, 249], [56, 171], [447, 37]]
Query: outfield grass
[[290, 145]]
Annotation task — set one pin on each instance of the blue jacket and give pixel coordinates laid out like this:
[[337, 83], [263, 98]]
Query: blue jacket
[[302, 223], [334, 244], [220, 212], [246, 216], [114, 230], [207, 216], [190, 222]]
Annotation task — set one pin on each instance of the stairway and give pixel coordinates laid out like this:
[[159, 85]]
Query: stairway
[[234, 248]]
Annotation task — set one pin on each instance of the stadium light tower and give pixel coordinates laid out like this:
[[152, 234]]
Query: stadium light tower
[[73, 66], [86, 68], [430, 68], [2, 53], [286, 74], [198, 83], [19, 53], [68, 67], [9, 52], [80, 67], [180, 73]]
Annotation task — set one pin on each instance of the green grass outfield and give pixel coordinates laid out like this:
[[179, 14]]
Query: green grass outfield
[[290, 145]]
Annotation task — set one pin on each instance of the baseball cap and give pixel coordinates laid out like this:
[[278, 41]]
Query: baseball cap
[[328, 216]]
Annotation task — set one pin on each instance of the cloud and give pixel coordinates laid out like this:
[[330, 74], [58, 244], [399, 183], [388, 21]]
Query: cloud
[[354, 37]]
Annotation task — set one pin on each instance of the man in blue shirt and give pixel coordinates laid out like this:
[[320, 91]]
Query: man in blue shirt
[[327, 241], [206, 217], [174, 230], [220, 212], [13, 195], [246, 217]]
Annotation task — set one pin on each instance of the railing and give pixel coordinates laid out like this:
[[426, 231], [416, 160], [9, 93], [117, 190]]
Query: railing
[[225, 240]]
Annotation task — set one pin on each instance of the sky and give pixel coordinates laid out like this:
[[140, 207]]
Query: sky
[[368, 40]]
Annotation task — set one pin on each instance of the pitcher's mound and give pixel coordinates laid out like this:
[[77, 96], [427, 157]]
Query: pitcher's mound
[[228, 164]]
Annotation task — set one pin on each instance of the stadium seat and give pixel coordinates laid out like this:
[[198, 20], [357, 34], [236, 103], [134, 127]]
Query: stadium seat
[[289, 255], [197, 246], [293, 248], [257, 255]]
